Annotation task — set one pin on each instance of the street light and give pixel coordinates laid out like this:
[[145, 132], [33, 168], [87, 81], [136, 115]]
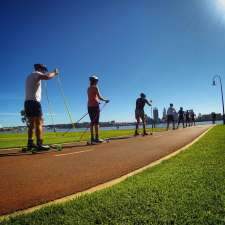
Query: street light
[[221, 89]]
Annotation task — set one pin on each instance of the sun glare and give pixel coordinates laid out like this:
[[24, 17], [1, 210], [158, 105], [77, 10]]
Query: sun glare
[[220, 8], [221, 5]]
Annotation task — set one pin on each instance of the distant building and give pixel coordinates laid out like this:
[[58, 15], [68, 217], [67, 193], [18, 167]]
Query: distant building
[[155, 115], [164, 114]]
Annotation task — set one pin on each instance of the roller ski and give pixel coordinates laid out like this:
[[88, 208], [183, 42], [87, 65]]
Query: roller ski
[[145, 134], [42, 148], [97, 141]]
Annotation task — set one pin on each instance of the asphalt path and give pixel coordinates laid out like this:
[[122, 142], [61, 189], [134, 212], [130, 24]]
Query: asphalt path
[[33, 179]]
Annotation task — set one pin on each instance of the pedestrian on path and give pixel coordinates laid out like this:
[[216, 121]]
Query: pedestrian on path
[[180, 117], [213, 115], [192, 117], [32, 104], [187, 118], [140, 114], [94, 98], [171, 112]]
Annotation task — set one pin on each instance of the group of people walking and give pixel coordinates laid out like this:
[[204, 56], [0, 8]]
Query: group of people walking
[[33, 109], [187, 118]]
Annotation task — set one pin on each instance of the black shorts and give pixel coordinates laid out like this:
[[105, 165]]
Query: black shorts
[[94, 113], [170, 118], [181, 118], [33, 108], [139, 114]]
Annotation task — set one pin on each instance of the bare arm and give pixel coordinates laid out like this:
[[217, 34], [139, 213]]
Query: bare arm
[[49, 75], [100, 97], [148, 103]]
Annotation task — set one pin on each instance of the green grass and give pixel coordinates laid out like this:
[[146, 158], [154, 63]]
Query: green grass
[[186, 189], [20, 140]]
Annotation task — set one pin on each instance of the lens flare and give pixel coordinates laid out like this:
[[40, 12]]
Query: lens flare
[[220, 4], [220, 8]]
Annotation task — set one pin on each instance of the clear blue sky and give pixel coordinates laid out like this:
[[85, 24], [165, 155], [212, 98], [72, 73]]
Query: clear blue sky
[[167, 49]]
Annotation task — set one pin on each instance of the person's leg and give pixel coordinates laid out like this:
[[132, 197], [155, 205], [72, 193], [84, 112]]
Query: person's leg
[[92, 131], [96, 132], [39, 130], [30, 131], [173, 121], [179, 120], [144, 129], [96, 124], [137, 116], [137, 126], [168, 123], [183, 122], [92, 114]]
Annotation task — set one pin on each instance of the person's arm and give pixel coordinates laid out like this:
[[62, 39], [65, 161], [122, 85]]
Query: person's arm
[[100, 97], [148, 103], [49, 75]]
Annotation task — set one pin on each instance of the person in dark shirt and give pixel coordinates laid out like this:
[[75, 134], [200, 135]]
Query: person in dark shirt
[[213, 117], [192, 117], [180, 117], [140, 114], [187, 118]]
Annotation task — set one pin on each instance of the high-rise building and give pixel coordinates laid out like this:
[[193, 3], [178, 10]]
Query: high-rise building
[[155, 115], [164, 114]]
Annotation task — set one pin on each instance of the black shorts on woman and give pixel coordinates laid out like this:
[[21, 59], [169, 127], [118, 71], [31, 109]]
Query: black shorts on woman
[[94, 114]]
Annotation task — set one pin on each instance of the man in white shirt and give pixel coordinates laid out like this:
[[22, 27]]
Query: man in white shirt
[[32, 104], [170, 116]]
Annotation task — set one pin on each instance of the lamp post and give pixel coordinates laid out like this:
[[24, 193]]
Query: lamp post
[[221, 89]]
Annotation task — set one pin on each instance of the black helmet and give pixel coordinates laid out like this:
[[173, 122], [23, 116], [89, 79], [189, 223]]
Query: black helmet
[[143, 95], [41, 67], [93, 78]]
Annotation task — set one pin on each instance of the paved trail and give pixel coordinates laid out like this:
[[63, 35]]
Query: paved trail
[[29, 180]]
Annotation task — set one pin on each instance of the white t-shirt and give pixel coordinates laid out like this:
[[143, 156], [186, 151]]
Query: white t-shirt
[[171, 111], [33, 86]]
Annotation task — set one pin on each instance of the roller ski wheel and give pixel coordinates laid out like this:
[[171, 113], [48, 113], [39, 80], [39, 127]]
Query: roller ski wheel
[[26, 150], [57, 147]]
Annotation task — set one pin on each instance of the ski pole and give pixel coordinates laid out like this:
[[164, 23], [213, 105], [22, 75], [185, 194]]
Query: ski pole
[[49, 107], [75, 122], [82, 135], [65, 101]]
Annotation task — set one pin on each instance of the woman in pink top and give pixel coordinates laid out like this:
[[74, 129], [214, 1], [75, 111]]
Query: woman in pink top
[[94, 99]]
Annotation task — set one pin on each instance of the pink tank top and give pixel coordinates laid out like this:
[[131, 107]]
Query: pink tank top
[[93, 99]]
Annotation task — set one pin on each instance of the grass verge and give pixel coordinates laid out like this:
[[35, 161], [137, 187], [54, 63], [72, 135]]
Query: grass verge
[[20, 140], [186, 189]]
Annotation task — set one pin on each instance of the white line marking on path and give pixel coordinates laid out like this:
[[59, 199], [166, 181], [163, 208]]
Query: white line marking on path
[[73, 153]]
